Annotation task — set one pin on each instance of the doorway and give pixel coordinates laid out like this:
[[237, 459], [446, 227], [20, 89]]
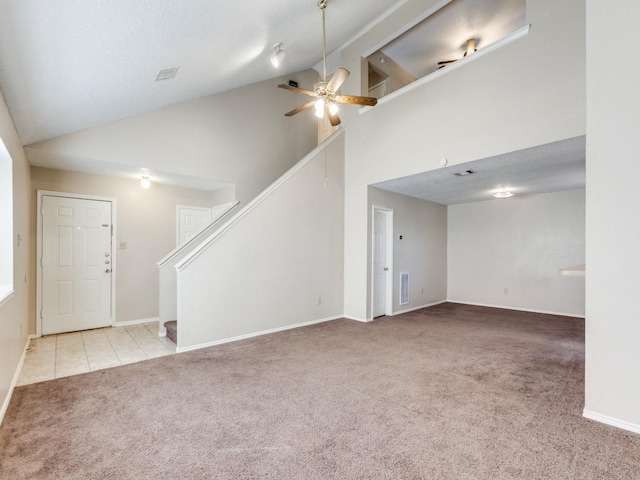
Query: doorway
[[75, 281], [382, 262]]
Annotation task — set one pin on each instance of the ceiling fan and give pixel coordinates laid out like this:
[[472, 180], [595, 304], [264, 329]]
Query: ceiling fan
[[324, 92], [471, 48]]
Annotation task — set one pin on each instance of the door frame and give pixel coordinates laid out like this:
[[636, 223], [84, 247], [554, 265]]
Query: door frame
[[388, 212], [39, 245]]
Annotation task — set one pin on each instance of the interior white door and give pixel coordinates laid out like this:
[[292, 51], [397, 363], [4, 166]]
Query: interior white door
[[190, 221], [379, 263], [76, 264]]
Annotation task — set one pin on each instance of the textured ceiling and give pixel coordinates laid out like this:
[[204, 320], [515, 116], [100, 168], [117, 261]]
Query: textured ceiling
[[70, 65], [547, 168]]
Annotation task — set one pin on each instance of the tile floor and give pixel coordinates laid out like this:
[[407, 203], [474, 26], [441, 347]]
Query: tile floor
[[56, 356]]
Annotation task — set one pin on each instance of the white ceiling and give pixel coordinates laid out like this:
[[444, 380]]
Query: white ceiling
[[74, 64], [547, 168], [443, 35], [66, 66]]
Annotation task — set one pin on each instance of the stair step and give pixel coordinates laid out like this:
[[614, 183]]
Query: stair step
[[172, 330]]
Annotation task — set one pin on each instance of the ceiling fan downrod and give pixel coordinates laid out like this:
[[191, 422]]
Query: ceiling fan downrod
[[322, 4]]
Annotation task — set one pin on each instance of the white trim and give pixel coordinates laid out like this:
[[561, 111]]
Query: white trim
[[518, 309], [196, 238], [256, 334], [6, 295], [614, 422], [80, 196], [407, 310], [453, 66], [136, 322], [16, 377], [357, 319], [200, 249]]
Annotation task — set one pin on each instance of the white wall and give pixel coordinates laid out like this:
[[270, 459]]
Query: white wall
[[14, 312], [267, 270], [423, 249], [146, 221], [240, 136], [508, 252], [530, 92], [613, 227]]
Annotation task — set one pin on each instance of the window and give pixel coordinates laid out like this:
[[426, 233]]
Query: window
[[6, 223]]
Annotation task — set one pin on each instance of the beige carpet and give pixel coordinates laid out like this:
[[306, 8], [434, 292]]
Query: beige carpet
[[450, 392]]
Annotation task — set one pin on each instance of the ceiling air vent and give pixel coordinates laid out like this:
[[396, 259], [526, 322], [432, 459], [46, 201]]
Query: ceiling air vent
[[465, 173], [167, 74]]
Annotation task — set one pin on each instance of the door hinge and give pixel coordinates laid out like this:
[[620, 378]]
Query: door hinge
[[112, 230], [42, 210], [40, 314], [41, 262]]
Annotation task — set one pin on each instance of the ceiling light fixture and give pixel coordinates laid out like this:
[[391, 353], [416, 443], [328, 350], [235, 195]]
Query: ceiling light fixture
[[278, 55], [503, 193], [324, 95], [145, 182]]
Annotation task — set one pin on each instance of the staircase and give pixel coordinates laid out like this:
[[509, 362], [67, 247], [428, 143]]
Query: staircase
[[167, 275], [276, 264], [172, 330]]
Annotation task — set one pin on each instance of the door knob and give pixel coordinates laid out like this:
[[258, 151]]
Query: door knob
[[386, 269], [107, 271]]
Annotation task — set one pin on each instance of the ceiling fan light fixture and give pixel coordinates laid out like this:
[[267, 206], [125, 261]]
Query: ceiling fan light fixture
[[333, 108], [319, 108], [278, 55]]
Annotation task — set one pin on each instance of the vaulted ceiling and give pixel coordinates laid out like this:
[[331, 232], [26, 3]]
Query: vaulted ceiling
[[70, 65]]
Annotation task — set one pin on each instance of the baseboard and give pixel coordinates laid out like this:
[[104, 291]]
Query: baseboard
[[614, 422], [16, 377], [255, 334], [412, 309], [518, 309], [357, 319], [136, 322]]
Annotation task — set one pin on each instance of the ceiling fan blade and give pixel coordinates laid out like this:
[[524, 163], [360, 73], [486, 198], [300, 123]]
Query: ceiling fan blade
[[369, 101], [337, 79], [298, 90], [300, 109]]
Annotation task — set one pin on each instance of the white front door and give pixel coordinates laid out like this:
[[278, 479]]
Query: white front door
[[76, 264], [190, 221], [380, 268]]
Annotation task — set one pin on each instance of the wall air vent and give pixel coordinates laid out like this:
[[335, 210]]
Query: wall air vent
[[404, 288], [465, 173], [167, 74]]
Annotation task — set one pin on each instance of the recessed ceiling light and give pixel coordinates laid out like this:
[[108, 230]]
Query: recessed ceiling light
[[167, 74]]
